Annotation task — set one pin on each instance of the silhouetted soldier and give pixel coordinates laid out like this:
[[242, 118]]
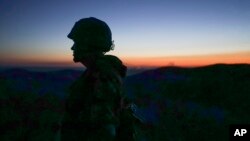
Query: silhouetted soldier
[[94, 107]]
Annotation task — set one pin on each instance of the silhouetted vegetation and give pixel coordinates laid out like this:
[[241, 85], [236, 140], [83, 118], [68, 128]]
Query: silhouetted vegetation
[[28, 116]]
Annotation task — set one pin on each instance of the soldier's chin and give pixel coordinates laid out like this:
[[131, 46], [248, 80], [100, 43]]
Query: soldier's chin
[[75, 59]]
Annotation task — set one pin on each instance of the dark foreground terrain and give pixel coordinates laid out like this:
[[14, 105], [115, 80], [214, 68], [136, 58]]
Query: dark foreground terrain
[[175, 104]]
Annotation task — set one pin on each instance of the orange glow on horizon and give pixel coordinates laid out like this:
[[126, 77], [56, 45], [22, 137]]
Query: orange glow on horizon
[[188, 61], [185, 61]]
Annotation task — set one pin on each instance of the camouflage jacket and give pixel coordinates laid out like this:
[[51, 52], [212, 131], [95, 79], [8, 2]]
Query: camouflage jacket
[[96, 96]]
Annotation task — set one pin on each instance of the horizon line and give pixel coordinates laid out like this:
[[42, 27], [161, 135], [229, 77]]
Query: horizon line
[[130, 67], [138, 61]]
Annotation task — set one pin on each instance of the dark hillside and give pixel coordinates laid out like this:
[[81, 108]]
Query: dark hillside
[[175, 103], [182, 100]]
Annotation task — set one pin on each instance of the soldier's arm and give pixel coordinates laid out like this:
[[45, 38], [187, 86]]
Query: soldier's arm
[[108, 86]]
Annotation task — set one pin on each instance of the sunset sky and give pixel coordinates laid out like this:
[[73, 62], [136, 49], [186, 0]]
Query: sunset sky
[[145, 32]]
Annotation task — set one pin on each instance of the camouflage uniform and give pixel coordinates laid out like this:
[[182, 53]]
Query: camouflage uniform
[[94, 104], [94, 108]]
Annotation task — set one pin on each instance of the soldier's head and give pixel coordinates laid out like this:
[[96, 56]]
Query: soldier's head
[[91, 36]]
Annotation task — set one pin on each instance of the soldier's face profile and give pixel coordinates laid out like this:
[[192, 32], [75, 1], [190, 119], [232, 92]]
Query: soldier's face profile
[[80, 51]]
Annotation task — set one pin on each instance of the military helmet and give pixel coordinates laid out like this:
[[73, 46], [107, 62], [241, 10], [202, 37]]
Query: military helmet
[[95, 32]]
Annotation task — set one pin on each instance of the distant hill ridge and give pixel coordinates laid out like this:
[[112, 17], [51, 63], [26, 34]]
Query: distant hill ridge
[[220, 85], [218, 68], [215, 69]]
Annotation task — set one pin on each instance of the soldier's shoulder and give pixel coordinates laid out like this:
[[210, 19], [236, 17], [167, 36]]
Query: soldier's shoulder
[[109, 67]]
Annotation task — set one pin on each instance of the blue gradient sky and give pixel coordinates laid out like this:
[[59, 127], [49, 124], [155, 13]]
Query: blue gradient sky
[[34, 31]]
